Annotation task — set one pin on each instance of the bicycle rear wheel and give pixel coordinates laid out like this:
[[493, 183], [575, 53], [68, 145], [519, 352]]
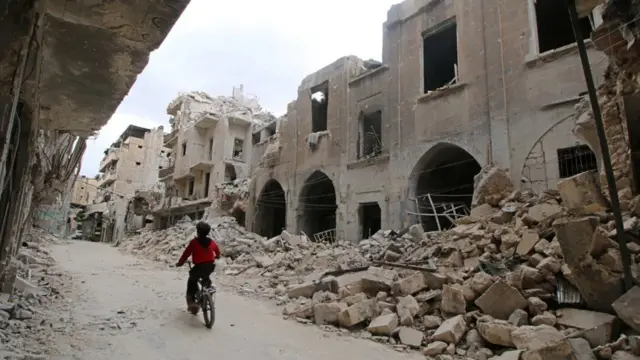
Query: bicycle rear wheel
[[208, 310]]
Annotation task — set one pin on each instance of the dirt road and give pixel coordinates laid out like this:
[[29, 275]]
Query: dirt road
[[128, 308]]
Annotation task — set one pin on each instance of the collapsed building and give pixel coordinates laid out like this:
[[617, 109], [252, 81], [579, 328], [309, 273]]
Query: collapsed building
[[210, 147], [56, 90], [461, 85]]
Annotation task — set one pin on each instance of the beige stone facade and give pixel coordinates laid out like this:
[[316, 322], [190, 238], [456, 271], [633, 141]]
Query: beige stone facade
[[85, 191], [462, 84], [132, 162], [210, 143]]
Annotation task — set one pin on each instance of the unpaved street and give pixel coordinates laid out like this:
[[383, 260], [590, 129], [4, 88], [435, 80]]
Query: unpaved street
[[127, 308]]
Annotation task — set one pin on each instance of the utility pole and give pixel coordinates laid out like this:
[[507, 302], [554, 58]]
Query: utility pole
[[604, 147]]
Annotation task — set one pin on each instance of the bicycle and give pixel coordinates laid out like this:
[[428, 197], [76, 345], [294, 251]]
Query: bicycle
[[205, 299]]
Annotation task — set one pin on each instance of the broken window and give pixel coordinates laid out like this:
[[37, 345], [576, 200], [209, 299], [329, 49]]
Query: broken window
[[440, 56], [139, 146], [271, 129], [370, 135], [575, 160], [554, 25], [229, 173], [210, 148], [207, 178], [370, 219], [191, 184], [255, 138], [138, 163], [184, 149], [320, 107], [238, 149]]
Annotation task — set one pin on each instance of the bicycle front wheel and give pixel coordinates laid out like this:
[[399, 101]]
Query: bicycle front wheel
[[208, 310]]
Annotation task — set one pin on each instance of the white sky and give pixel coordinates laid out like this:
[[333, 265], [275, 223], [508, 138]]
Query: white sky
[[268, 46]]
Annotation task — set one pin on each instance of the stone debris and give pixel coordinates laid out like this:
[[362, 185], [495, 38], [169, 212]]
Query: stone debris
[[500, 284]]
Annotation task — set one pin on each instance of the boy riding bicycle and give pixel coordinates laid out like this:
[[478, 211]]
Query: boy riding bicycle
[[204, 252]]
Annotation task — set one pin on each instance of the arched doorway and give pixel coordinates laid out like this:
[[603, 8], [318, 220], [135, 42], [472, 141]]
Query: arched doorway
[[317, 204], [442, 183], [271, 210]]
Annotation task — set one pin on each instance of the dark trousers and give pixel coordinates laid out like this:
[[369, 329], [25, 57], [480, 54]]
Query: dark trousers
[[197, 272]]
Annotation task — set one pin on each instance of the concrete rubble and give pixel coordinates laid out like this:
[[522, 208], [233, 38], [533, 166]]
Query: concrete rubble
[[531, 284], [32, 313]]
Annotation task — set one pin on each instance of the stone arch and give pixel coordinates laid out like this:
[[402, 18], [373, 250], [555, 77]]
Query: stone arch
[[271, 210], [446, 172], [317, 204]]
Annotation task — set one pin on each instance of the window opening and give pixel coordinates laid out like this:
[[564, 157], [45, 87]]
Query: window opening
[[210, 148], [184, 149], [575, 160], [255, 138], [370, 135], [191, 184], [319, 107], [554, 25], [238, 149], [207, 178], [138, 163], [440, 56], [229, 173]]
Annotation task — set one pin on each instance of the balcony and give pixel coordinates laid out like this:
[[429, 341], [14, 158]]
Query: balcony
[[206, 121], [196, 159], [110, 158], [167, 173], [241, 120], [171, 139], [106, 179]]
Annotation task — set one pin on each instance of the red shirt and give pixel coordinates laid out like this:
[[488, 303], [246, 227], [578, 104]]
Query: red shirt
[[200, 254]]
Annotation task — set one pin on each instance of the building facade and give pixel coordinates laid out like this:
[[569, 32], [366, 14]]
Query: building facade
[[462, 84], [85, 191], [210, 143]]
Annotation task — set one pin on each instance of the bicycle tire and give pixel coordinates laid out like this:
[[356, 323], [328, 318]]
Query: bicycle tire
[[210, 315]]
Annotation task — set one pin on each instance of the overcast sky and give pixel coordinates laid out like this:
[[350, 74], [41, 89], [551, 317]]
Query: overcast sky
[[268, 46]]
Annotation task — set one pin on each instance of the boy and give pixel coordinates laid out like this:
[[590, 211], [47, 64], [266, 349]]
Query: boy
[[204, 252]]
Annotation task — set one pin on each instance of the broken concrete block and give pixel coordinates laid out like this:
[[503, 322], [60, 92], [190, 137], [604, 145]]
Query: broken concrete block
[[451, 330], [481, 282], [519, 318], [435, 348], [327, 313], [598, 286], [294, 240], [383, 324], [566, 349], [535, 337], [581, 349], [628, 308], [263, 260], [481, 211], [351, 282], [491, 185], [25, 286], [431, 322], [416, 232], [544, 211], [453, 300], [546, 318], [358, 313], [536, 305], [411, 337], [302, 290], [495, 331], [407, 308], [597, 327], [501, 300], [581, 194], [434, 281], [378, 279], [529, 239], [410, 285]]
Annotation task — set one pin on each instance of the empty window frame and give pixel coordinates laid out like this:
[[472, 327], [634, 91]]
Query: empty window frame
[[370, 135], [210, 150], [575, 160], [191, 185], [320, 107], [238, 149], [255, 138], [440, 56], [184, 149], [554, 25]]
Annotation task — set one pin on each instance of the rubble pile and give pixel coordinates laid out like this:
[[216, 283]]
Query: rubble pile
[[35, 295], [525, 276]]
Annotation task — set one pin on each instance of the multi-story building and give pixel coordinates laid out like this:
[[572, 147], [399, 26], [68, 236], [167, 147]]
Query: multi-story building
[[85, 191], [210, 142], [132, 162], [462, 84]]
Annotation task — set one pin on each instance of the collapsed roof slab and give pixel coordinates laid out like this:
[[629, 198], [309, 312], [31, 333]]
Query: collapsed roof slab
[[92, 54]]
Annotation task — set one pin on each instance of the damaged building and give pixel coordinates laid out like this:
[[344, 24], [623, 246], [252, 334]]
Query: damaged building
[[131, 163], [47, 109], [210, 142], [461, 85]]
